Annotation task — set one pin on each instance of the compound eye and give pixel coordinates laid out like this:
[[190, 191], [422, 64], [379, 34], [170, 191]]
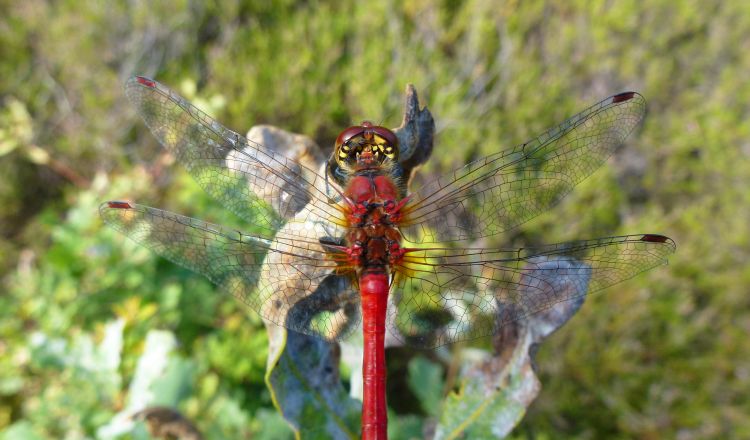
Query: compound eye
[[388, 135], [349, 133]]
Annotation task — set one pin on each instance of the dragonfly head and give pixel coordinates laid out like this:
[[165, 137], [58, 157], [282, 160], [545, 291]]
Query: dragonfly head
[[365, 146]]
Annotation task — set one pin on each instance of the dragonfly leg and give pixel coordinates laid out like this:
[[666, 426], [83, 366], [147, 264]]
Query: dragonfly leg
[[394, 210]]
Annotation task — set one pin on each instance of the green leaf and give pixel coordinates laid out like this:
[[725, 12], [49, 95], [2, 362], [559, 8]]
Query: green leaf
[[15, 126], [407, 427], [497, 388], [175, 384], [272, 426], [426, 381], [303, 377], [160, 378], [20, 431], [492, 398]]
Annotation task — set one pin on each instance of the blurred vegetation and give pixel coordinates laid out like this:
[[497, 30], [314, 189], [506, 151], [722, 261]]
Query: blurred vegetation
[[664, 355]]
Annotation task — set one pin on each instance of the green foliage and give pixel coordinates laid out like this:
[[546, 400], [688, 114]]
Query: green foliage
[[426, 381], [661, 356], [489, 402], [301, 375]]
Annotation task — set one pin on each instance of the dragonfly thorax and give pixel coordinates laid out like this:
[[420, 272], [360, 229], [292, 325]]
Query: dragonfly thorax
[[373, 239]]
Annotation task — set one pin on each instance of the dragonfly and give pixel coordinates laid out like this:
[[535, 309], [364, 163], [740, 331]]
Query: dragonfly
[[347, 245]]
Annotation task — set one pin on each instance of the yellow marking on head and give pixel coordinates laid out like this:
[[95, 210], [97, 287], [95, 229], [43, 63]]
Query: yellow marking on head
[[346, 153]]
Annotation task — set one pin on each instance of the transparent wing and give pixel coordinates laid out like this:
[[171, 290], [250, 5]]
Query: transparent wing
[[288, 280], [503, 190], [261, 186], [447, 295]]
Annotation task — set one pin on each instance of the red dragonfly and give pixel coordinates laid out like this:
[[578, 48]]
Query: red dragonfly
[[350, 245]]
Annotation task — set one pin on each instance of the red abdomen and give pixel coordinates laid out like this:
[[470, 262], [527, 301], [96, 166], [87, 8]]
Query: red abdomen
[[374, 297]]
